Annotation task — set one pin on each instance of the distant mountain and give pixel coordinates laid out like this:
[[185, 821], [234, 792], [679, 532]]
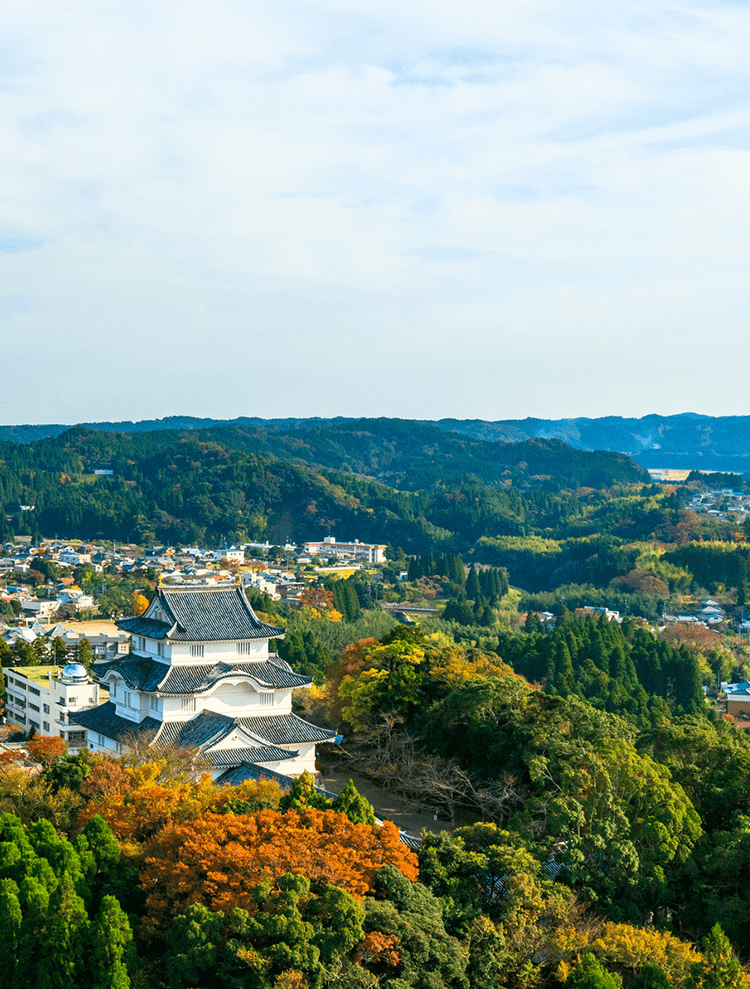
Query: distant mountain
[[383, 480], [689, 440]]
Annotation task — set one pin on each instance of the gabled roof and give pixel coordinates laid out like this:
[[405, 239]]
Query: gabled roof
[[200, 614]]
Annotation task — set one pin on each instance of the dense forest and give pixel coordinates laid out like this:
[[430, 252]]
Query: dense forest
[[597, 841]]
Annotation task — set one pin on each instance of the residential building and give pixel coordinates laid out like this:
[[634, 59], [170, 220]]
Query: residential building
[[43, 698], [232, 554], [366, 552], [199, 675]]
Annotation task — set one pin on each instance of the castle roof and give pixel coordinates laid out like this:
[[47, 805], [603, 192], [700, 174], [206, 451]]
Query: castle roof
[[105, 721], [144, 673], [209, 728], [206, 731], [200, 614]]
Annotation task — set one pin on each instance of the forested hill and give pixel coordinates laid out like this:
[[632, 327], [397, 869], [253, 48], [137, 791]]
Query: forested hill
[[688, 440], [378, 480]]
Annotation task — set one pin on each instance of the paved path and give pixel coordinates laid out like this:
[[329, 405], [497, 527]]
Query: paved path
[[390, 806]]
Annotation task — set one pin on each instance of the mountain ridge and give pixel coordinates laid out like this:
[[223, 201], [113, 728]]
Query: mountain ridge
[[683, 440]]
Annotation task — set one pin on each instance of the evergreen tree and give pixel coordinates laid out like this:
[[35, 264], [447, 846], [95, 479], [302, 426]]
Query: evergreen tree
[[111, 947], [473, 590], [11, 920], [719, 968], [62, 948], [356, 808]]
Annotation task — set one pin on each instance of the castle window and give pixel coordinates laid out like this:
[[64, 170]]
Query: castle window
[[243, 648], [196, 650], [266, 700], [188, 703]]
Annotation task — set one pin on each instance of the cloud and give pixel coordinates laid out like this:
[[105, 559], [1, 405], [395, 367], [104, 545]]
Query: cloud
[[377, 183]]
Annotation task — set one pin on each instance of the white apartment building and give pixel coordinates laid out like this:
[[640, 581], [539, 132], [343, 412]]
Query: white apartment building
[[366, 552], [44, 697]]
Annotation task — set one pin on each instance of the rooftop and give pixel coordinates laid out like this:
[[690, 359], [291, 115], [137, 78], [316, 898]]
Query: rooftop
[[199, 614], [37, 674]]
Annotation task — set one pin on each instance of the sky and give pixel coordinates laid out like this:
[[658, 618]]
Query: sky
[[489, 209]]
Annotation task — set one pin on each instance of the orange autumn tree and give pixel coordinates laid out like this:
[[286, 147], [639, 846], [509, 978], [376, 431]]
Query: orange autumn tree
[[138, 806], [46, 749], [218, 859]]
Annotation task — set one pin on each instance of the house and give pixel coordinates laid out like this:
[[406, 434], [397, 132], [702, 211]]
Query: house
[[199, 675], [42, 698], [230, 553], [738, 699], [41, 609]]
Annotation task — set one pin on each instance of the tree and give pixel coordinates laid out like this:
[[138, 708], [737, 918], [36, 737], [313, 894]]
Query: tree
[[111, 940], [217, 859], [139, 602], [719, 968], [85, 654], [11, 919], [46, 749], [354, 806], [473, 590], [424, 954], [591, 974], [292, 936]]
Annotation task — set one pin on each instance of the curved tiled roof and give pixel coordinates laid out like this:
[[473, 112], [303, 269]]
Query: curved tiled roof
[[105, 721], [144, 626], [263, 753], [144, 673], [286, 729], [247, 771], [196, 679], [139, 672], [205, 729], [202, 614]]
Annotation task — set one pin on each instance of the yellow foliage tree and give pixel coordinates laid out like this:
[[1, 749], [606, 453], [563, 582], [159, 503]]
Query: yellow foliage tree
[[628, 947]]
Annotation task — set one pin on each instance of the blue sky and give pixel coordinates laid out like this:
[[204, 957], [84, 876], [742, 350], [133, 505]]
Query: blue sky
[[421, 209]]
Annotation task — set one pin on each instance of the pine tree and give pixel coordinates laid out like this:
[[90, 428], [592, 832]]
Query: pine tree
[[11, 919], [62, 944], [356, 807], [719, 968], [473, 590], [111, 945]]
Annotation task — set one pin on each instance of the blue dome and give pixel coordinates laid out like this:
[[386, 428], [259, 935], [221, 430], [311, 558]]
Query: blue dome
[[75, 673]]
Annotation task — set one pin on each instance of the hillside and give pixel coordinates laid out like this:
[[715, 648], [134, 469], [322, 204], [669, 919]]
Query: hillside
[[689, 440], [380, 480]]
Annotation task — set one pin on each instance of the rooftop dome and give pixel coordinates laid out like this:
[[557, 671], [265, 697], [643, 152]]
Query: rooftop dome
[[75, 673]]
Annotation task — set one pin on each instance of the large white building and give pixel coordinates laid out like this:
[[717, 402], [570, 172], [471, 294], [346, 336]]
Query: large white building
[[44, 698], [199, 675], [366, 552]]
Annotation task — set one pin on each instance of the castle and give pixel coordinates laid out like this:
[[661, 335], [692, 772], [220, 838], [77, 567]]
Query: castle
[[199, 676]]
